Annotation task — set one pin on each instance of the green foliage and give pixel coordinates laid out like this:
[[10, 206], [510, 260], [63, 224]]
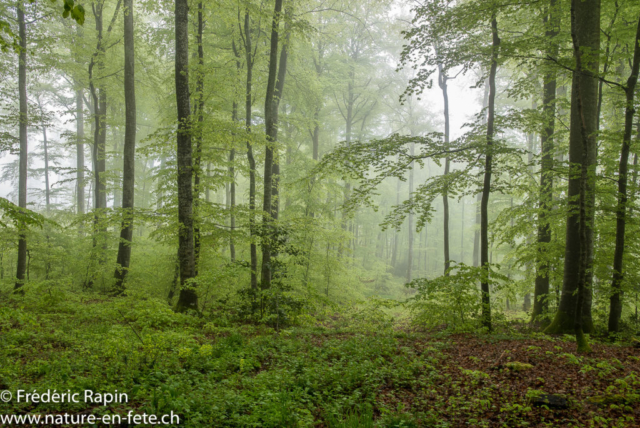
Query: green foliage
[[453, 300]]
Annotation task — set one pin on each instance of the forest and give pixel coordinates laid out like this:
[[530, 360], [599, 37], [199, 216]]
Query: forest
[[319, 213]]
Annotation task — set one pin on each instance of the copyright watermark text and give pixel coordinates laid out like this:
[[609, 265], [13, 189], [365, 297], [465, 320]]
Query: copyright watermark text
[[54, 396]]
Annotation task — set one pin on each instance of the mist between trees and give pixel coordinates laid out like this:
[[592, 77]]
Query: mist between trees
[[474, 159]]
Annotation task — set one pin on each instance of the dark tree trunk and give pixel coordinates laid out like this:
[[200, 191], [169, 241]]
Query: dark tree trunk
[[232, 195], [615, 308], [541, 293], [99, 97], [476, 233], [197, 161], [128, 172], [271, 125], [188, 298], [282, 69], [583, 115], [442, 82], [250, 158], [486, 189], [22, 179]]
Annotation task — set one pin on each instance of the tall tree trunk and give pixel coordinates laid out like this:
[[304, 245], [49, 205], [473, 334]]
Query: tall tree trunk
[[45, 143], [99, 97], [22, 179], [232, 193], [129, 154], [486, 189], [271, 126], [197, 162], [188, 298], [396, 236], [282, 70], [476, 233], [541, 292], [80, 158], [586, 26], [462, 233], [410, 221], [442, 82], [615, 308], [250, 158]]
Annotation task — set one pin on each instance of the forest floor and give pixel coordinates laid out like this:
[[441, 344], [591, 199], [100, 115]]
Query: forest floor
[[354, 369]]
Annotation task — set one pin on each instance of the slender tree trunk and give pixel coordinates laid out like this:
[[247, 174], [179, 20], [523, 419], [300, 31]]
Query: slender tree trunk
[[80, 158], [232, 195], [197, 161], [129, 153], [22, 179], [271, 125], [396, 236], [99, 97], [476, 233], [541, 293], [442, 82], [615, 308], [586, 26], [188, 298], [410, 222], [462, 234], [250, 158], [282, 70], [45, 143], [486, 190]]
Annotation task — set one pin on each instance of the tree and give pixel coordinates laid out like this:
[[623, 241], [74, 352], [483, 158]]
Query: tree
[[615, 309], [585, 27], [22, 180], [99, 99], [541, 294], [275, 85], [486, 189], [128, 178], [188, 298]]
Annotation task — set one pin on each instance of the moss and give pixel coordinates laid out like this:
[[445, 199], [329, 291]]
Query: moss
[[563, 323], [583, 343], [517, 366], [603, 400]]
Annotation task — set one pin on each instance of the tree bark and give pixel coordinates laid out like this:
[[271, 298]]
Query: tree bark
[[586, 25], [615, 306], [271, 127], [486, 189], [45, 143], [99, 97], [442, 82], [250, 158], [476, 233], [80, 158], [394, 253], [128, 173], [410, 221], [22, 179], [188, 298], [541, 292], [197, 161]]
